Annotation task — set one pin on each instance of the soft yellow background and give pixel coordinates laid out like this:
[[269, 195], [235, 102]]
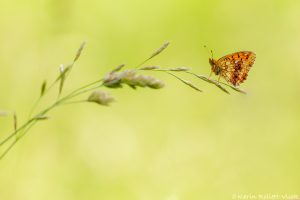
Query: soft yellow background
[[168, 144]]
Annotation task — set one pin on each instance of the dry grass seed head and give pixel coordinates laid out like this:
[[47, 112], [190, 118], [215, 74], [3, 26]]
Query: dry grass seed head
[[101, 98]]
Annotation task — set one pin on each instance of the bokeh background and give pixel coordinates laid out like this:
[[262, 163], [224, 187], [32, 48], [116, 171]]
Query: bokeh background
[[168, 144]]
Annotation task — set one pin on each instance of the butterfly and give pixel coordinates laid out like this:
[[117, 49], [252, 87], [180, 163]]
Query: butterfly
[[234, 67]]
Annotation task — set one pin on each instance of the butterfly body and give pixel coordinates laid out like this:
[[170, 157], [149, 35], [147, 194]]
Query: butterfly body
[[234, 67]]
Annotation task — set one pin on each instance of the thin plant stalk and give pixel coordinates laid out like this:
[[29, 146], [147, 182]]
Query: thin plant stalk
[[35, 119]]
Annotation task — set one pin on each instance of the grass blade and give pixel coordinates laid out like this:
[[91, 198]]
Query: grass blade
[[238, 90], [15, 122], [149, 68], [118, 68], [186, 82], [79, 51], [210, 81], [43, 87], [157, 52]]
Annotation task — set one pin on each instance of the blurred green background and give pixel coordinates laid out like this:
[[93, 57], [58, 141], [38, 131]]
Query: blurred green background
[[168, 144]]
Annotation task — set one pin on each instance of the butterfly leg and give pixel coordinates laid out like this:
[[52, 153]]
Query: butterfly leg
[[219, 79], [210, 75]]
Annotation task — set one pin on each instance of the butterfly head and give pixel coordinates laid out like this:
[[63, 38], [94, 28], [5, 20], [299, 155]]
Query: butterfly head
[[214, 67], [212, 62]]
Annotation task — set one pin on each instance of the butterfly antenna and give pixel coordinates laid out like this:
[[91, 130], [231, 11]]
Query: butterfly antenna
[[209, 52]]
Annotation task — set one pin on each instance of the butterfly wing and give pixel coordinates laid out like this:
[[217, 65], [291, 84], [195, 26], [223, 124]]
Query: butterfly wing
[[235, 67]]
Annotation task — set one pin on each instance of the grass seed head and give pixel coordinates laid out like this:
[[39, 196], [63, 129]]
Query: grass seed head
[[101, 98]]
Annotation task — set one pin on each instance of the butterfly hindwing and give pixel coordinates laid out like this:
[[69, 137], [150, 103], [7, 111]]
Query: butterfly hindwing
[[235, 67]]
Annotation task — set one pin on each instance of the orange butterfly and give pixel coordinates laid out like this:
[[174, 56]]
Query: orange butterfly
[[234, 67]]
